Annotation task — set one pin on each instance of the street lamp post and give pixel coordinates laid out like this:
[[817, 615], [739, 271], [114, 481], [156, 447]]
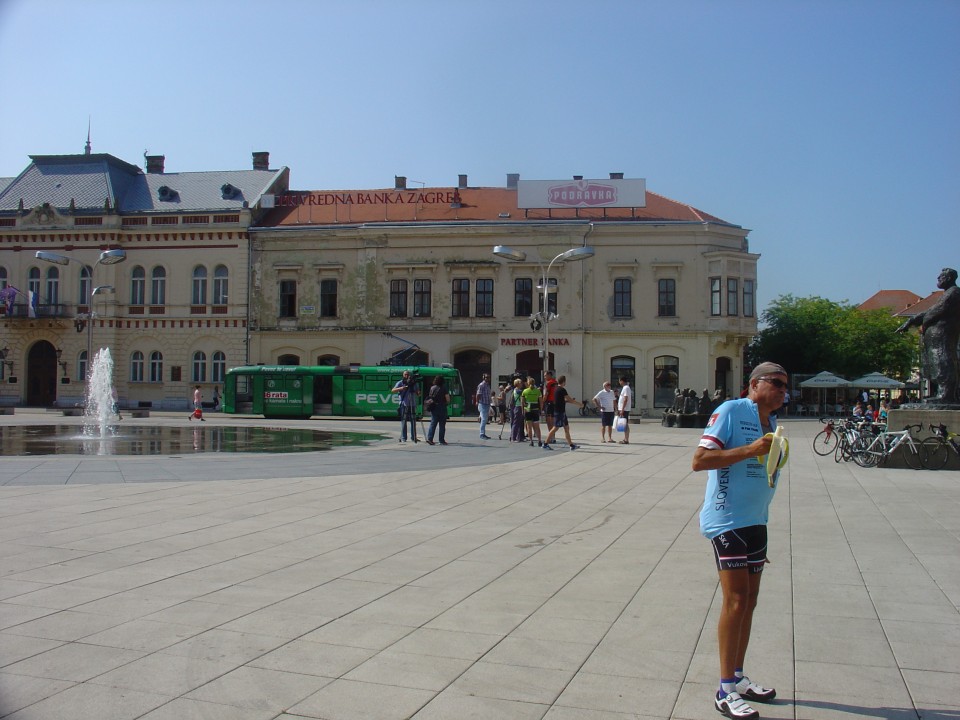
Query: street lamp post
[[572, 255], [107, 257]]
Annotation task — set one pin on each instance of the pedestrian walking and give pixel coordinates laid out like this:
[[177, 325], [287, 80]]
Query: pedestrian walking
[[624, 403], [483, 404], [561, 398], [549, 398], [197, 405], [734, 518], [606, 402]]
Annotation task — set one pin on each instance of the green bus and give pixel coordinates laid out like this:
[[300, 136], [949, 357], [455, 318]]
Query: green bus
[[297, 391]]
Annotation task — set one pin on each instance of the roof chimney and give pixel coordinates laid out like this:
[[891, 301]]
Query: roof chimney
[[616, 176], [155, 163], [461, 181], [399, 182], [261, 161], [512, 180]]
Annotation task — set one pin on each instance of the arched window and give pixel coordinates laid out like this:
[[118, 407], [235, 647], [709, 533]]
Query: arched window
[[221, 280], [158, 286], [219, 368], [156, 366], [82, 366], [288, 360], [624, 366], [138, 283], [199, 296], [199, 367], [53, 286], [33, 280], [83, 296], [328, 360], [136, 367], [666, 380], [3, 277]]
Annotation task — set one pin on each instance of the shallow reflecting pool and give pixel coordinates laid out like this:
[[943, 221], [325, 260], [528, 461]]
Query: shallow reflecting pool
[[157, 440]]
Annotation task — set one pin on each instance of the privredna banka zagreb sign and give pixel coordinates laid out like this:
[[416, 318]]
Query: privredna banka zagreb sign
[[533, 342], [393, 197]]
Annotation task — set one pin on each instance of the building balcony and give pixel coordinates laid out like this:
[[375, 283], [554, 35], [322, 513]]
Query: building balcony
[[42, 310]]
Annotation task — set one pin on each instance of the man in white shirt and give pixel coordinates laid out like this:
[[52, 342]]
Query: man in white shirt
[[624, 403], [606, 402]]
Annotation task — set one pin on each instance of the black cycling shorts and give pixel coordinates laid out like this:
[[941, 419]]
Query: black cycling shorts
[[741, 548]]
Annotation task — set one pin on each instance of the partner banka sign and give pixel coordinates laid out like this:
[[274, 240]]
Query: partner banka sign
[[581, 193]]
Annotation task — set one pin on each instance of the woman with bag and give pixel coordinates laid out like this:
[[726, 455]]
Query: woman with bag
[[436, 404], [516, 412]]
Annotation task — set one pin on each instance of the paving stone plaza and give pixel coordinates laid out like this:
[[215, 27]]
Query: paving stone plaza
[[482, 580]]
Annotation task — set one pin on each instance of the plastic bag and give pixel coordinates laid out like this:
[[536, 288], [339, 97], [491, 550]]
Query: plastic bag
[[620, 424]]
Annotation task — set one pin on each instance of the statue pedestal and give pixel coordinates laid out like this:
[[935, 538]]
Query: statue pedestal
[[915, 413]]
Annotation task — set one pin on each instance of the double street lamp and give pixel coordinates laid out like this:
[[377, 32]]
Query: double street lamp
[[107, 257], [545, 316]]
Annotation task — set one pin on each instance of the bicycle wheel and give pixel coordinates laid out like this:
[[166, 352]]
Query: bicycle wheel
[[825, 442], [934, 453], [911, 456], [862, 453], [844, 450]]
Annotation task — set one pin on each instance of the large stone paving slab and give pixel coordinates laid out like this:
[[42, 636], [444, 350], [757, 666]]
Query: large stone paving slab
[[482, 580]]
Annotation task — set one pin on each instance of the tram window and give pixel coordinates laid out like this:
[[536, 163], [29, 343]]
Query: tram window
[[243, 388]]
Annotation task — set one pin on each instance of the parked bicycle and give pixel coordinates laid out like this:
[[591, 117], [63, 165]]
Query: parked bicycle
[[825, 441], [870, 453], [935, 450], [848, 434], [587, 410]]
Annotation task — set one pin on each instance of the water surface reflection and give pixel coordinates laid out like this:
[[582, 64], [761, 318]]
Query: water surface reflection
[[159, 440]]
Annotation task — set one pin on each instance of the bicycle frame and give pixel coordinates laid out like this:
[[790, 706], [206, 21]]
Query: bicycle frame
[[885, 444]]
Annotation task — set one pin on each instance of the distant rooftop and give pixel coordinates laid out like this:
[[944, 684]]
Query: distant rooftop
[[894, 300]]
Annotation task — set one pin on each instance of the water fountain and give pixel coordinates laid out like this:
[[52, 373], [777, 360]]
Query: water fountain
[[102, 433], [98, 411]]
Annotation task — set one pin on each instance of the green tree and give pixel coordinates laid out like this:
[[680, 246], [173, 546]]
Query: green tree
[[808, 335]]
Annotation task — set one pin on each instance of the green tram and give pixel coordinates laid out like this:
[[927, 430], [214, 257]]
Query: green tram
[[297, 391]]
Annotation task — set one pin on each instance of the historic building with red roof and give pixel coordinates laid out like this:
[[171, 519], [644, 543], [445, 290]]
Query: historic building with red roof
[[668, 297]]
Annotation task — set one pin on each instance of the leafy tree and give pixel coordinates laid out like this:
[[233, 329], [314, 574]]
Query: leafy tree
[[808, 335]]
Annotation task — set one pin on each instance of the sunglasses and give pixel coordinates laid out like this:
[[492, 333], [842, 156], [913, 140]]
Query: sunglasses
[[778, 384]]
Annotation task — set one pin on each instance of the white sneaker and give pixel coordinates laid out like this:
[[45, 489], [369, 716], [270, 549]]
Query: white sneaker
[[749, 690], [734, 706]]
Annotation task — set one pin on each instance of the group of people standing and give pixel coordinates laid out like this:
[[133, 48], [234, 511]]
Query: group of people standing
[[524, 403], [435, 403]]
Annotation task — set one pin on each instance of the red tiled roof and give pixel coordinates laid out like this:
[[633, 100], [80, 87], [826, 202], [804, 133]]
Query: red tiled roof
[[332, 207], [895, 300], [922, 305]]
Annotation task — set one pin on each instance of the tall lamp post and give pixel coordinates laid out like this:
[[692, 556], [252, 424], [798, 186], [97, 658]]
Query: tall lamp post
[[107, 257], [545, 316]]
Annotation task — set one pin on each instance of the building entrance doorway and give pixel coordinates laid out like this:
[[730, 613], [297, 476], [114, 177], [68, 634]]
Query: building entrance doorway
[[42, 375], [530, 364], [472, 364]]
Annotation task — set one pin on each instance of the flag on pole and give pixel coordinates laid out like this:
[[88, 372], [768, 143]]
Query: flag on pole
[[32, 307], [9, 296]]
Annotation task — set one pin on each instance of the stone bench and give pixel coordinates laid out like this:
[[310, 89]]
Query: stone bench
[[72, 412], [139, 413]]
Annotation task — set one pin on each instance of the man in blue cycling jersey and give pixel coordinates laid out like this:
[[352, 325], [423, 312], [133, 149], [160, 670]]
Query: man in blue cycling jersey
[[734, 518]]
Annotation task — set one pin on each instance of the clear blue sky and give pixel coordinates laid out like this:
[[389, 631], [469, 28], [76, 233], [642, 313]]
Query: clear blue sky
[[830, 128]]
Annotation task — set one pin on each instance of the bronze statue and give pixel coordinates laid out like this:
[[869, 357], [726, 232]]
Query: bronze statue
[[940, 330]]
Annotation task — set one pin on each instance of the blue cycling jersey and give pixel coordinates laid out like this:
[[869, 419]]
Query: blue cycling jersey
[[739, 495]]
